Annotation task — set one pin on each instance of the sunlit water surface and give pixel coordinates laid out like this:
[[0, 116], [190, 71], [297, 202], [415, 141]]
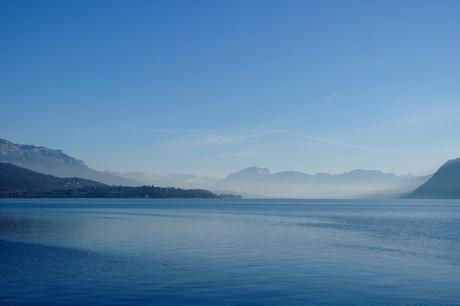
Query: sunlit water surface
[[230, 252]]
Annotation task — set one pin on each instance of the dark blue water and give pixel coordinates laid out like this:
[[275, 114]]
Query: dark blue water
[[230, 252]]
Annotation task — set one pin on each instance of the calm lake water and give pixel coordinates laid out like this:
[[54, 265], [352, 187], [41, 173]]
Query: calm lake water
[[230, 252]]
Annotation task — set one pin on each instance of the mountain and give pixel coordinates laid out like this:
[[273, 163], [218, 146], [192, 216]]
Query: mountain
[[355, 183], [256, 182], [17, 180], [251, 174], [56, 163], [444, 184], [251, 182]]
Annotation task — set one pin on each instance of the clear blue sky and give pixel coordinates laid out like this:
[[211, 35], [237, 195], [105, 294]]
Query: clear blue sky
[[209, 87]]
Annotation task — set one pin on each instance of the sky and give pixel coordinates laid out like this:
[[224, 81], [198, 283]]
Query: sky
[[211, 87]]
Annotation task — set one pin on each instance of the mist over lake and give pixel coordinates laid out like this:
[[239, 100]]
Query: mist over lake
[[230, 252]]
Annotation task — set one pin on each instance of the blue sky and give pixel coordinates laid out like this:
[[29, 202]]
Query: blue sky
[[209, 87]]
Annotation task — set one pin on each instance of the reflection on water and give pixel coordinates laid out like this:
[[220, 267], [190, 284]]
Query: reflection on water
[[230, 252]]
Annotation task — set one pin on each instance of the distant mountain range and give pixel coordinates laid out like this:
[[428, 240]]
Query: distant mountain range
[[261, 182], [444, 184], [17, 182], [252, 181], [56, 163], [356, 183]]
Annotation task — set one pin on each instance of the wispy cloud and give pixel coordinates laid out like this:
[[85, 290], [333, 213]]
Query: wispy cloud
[[266, 125], [433, 115], [135, 130], [423, 119], [237, 154], [336, 143], [329, 98], [222, 139], [232, 137], [214, 137]]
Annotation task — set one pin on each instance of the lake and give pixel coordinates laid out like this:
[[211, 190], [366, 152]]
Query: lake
[[230, 252]]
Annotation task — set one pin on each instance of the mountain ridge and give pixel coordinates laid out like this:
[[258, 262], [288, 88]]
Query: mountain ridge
[[55, 162], [444, 184], [356, 173], [18, 182], [354, 183]]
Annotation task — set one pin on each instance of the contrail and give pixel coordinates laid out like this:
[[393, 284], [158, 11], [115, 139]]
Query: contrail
[[264, 126], [337, 143], [331, 97]]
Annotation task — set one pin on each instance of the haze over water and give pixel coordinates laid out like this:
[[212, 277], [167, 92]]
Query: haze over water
[[230, 252]]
